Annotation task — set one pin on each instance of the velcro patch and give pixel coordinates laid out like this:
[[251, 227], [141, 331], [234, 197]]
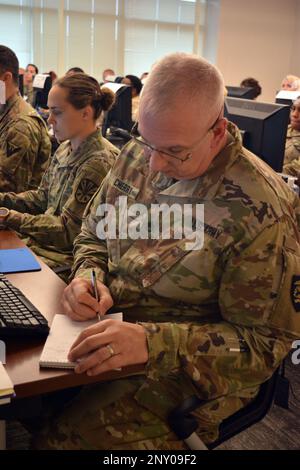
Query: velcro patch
[[295, 292], [122, 186], [11, 149], [85, 191]]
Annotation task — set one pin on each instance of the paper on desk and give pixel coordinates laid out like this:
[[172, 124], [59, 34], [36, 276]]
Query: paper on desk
[[63, 334], [6, 385]]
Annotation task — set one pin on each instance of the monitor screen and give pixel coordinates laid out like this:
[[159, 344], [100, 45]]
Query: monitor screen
[[120, 114], [264, 126], [246, 93], [41, 100]]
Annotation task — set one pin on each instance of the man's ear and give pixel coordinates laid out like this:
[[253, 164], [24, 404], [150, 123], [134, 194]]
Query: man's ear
[[219, 131], [7, 77]]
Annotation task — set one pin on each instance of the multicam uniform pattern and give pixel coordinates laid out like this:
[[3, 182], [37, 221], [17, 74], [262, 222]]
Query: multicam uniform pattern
[[291, 165], [218, 320], [24, 146], [51, 216]]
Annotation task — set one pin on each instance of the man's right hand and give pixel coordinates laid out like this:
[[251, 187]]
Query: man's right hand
[[78, 301]]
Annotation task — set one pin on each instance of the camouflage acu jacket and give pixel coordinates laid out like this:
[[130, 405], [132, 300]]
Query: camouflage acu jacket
[[24, 146], [51, 215], [225, 315], [292, 145]]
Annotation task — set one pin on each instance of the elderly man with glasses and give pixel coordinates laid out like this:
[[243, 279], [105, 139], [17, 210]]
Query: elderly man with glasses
[[212, 320]]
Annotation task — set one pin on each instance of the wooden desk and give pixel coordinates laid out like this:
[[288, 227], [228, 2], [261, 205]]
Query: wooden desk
[[44, 289]]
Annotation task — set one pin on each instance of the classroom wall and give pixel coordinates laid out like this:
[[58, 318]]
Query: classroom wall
[[259, 38]]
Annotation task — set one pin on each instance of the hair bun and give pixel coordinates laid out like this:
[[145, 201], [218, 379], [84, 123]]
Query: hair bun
[[107, 98]]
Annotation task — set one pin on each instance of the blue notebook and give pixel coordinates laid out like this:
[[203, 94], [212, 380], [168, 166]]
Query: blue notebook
[[18, 260]]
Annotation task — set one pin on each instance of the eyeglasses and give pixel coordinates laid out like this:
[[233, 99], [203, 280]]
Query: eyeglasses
[[134, 134]]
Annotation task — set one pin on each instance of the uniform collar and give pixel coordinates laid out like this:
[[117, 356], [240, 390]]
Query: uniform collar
[[292, 132], [207, 185], [68, 157]]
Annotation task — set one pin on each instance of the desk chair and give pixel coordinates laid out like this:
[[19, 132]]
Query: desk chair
[[184, 424]]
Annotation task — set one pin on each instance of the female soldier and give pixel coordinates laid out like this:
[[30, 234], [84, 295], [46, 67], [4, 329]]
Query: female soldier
[[50, 217]]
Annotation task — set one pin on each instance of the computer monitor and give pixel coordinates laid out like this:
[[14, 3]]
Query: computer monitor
[[264, 126], [120, 114], [287, 97], [21, 85], [246, 93], [42, 84]]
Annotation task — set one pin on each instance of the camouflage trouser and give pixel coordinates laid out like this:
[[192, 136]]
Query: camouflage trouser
[[108, 416]]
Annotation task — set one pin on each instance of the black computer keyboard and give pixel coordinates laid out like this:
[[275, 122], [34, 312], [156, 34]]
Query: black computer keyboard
[[18, 317]]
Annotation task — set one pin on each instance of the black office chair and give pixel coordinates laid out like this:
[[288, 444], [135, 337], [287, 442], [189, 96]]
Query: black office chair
[[184, 424]]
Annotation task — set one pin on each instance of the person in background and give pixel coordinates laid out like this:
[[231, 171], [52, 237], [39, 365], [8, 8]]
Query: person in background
[[291, 165], [74, 70], [290, 83], [29, 94], [212, 318], [252, 83], [24, 142], [108, 75], [50, 217], [143, 77], [136, 88], [53, 76]]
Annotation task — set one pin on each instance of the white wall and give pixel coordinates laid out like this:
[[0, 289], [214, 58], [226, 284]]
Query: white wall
[[259, 38]]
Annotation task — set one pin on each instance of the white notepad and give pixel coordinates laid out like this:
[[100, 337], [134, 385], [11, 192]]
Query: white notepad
[[62, 335], [6, 385]]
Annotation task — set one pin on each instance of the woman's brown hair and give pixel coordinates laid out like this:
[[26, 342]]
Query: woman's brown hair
[[84, 90]]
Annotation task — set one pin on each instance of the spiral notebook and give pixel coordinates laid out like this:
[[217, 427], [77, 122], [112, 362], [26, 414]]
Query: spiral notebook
[[62, 335]]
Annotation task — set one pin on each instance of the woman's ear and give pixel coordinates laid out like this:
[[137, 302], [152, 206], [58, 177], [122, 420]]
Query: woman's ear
[[87, 113]]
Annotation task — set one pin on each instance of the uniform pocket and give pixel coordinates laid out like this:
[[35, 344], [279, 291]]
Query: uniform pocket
[[286, 314]]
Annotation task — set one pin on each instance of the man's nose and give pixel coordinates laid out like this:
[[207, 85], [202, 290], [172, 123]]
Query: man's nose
[[157, 161], [50, 119]]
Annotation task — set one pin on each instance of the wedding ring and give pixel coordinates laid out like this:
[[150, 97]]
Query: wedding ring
[[110, 349]]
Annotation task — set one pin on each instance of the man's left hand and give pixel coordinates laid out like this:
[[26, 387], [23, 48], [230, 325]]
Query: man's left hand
[[107, 345]]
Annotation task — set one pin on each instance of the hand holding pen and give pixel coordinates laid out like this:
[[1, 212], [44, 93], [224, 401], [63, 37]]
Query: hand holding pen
[[80, 301], [95, 290]]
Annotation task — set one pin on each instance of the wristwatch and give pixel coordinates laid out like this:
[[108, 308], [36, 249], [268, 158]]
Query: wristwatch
[[4, 213]]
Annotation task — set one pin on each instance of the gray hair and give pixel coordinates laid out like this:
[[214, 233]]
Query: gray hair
[[184, 77]]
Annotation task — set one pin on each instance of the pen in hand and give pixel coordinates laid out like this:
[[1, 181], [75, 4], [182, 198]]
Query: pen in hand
[[95, 290]]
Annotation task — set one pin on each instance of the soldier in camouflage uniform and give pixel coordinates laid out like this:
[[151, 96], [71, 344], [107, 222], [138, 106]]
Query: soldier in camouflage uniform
[[24, 141], [292, 147], [214, 322], [51, 215]]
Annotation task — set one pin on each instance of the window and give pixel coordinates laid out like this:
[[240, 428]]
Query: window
[[125, 35]]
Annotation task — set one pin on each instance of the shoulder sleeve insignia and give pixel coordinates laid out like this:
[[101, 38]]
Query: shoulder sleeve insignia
[[295, 293], [12, 149], [85, 191]]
